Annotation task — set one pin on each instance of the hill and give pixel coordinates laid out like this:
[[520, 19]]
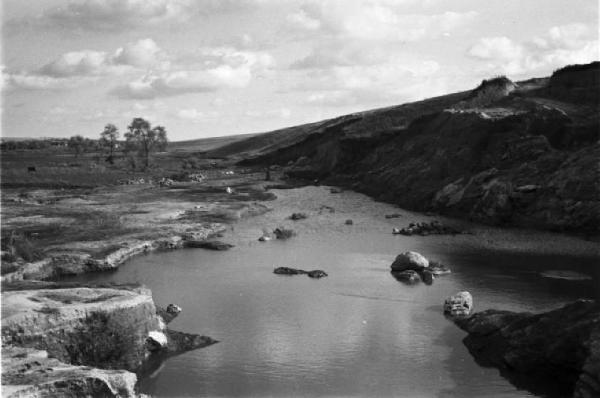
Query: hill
[[523, 153]]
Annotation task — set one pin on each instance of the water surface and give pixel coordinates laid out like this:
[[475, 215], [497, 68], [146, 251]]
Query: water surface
[[358, 332]]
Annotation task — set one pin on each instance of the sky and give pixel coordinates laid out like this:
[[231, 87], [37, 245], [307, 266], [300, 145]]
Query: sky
[[205, 68]]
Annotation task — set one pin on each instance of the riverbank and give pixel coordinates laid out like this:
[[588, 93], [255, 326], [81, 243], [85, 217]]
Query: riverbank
[[152, 217], [88, 338]]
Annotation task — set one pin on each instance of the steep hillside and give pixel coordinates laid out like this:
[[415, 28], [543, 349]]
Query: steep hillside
[[522, 153]]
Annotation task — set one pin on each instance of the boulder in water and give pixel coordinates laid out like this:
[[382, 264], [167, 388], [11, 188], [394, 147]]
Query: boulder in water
[[459, 305], [409, 261]]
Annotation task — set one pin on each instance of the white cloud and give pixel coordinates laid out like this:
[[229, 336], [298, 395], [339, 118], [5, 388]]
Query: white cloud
[[143, 53], [119, 14], [501, 48], [185, 81], [561, 45], [76, 63], [40, 82], [372, 83], [374, 20], [74, 68]]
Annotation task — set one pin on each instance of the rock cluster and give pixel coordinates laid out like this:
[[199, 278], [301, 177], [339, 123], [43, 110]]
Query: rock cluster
[[424, 229], [412, 268], [293, 271]]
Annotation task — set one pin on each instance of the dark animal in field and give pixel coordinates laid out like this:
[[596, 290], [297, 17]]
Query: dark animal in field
[[31, 169]]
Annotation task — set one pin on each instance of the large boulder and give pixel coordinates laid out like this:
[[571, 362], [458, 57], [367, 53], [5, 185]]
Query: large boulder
[[409, 261], [555, 352], [458, 305]]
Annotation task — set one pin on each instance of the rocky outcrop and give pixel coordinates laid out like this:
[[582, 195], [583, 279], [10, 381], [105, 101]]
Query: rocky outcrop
[[28, 372], [101, 327], [97, 326], [68, 262], [554, 353]]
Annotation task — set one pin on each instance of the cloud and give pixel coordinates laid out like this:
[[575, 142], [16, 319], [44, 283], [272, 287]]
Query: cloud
[[184, 81], [559, 46], [207, 69], [376, 83], [40, 82], [374, 20], [119, 14], [74, 68], [501, 48], [76, 63], [143, 53], [194, 115]]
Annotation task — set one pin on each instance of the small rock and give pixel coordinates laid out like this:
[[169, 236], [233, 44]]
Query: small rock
[[317, 274], [349, 222], [461, 304], [283, 233], [264, 238], [427, 276], [173, 309], [156, 341], [437, 268], [335, 190], [298, 216]]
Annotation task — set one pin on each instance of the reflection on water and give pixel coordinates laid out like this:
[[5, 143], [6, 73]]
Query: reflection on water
[[357, 332]]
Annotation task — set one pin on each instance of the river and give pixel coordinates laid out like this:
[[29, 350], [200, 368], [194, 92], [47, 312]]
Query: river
[[357, 332]]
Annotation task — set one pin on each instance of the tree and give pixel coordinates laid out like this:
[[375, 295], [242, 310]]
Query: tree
[[76, 143], [109, 140], [145, 139]]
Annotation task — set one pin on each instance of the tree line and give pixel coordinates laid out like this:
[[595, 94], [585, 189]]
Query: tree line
[[141, 138]]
